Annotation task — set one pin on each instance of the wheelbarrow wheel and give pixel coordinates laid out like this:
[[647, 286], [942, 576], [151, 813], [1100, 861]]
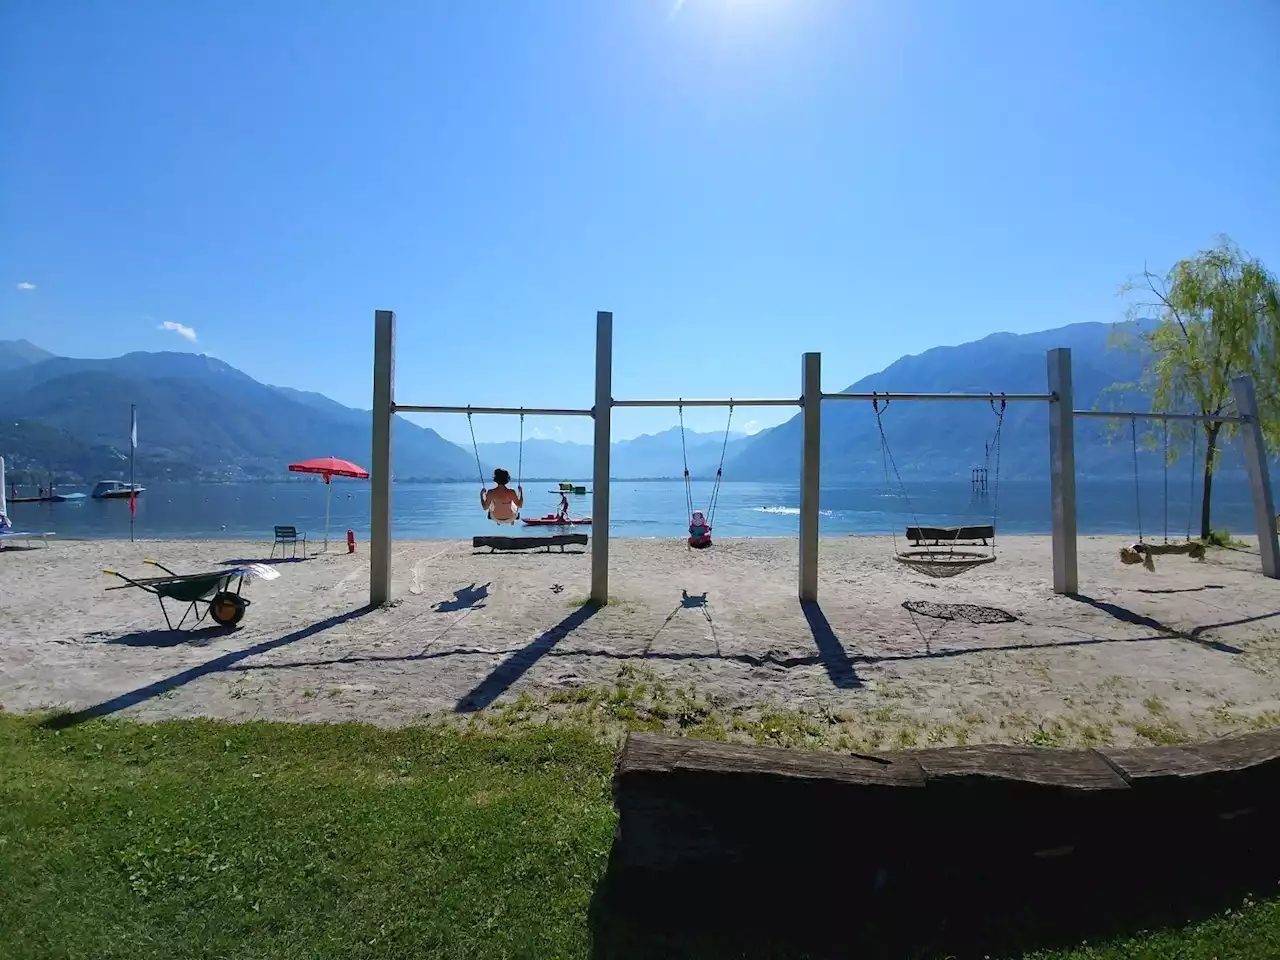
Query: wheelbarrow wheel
[[227, 609]]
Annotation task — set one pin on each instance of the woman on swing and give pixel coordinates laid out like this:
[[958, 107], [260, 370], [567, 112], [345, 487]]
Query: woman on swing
[[502, 503]]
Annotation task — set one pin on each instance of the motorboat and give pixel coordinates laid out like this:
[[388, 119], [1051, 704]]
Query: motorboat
[[116, 490]]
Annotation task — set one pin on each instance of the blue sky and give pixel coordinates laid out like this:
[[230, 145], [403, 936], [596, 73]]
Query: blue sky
[[737, 180]]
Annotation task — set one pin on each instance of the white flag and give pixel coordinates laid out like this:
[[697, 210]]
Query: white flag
[[133, 427]]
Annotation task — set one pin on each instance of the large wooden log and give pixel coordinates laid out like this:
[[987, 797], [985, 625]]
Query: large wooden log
[[1219, 781], [694, 805], [919, 845], [688, 803], [560, 540], [951, 534]]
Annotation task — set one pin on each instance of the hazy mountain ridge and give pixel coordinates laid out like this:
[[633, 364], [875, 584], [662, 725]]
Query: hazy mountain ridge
[[947, 439], [648, 456], [200, 417]]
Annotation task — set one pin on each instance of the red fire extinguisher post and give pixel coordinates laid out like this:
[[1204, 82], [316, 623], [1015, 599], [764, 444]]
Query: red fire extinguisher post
[[351, 541]]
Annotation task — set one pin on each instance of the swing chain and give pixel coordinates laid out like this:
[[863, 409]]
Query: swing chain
[[1137, 488], [475, 446], [1165, 503], [684, 456], [886, 456], [724, 449], [1191, 491], [520, 463], [995, 445]]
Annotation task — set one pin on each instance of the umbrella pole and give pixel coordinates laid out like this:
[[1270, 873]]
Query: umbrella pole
[[328, 501]]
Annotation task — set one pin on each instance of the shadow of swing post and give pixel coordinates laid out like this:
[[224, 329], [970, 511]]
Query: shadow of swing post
[[835, 659], [520, 662]]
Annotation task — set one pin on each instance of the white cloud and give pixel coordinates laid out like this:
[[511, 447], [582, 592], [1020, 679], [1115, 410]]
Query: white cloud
[[751, 426], [181, 329], [187, 333], [26, 286], [675, 9]]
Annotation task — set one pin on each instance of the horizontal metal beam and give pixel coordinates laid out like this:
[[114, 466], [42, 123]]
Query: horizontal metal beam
[[497, 411], [1041, 397], [1134, 415], [731, 402]]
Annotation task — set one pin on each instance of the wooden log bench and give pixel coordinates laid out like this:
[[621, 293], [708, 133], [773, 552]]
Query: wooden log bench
[[940, 535], [560, 540], [959, 822]]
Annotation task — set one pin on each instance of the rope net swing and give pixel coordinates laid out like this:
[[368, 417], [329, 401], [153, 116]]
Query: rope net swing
[[942, 561], [475, 447]]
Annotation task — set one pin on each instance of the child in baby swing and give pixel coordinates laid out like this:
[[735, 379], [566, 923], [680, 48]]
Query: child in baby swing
[[699, 530]]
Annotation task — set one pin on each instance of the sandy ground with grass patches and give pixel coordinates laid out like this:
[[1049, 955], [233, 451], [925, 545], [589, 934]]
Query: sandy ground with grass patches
[[712, 642]]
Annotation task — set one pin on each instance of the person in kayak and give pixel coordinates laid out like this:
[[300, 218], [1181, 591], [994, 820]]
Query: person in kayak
[[502, 503]]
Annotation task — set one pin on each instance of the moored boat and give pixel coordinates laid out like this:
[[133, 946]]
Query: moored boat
[[116, 490]]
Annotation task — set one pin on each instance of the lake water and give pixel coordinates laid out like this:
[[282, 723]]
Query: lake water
[[639, 509]]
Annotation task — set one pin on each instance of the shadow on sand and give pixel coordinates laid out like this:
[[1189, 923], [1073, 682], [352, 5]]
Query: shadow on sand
[[519, 662], [1194, 635], [464, 598], [831, 652], [227, 660], [198, 637]]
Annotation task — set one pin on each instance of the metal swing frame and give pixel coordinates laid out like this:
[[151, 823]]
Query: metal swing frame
[[1057, 398]]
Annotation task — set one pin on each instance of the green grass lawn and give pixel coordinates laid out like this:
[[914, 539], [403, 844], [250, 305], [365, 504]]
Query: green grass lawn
[[205, 839]]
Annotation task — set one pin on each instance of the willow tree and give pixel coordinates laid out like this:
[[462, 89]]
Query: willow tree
[[1217, 317]]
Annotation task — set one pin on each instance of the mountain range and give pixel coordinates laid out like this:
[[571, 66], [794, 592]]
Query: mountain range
[[946, 439], [200, 418]]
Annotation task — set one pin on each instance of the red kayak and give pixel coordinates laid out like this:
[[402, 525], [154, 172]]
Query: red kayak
[[550, 520]]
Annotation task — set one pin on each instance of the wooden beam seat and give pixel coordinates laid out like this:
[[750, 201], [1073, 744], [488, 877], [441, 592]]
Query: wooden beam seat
[[560, 540], [951, 534]]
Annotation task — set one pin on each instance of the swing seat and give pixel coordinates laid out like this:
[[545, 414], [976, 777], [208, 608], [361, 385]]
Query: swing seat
[[699, 531], [942, 563], [1144, 553]]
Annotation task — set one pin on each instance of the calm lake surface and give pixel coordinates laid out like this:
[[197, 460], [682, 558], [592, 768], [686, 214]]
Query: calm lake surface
[[639, 509]]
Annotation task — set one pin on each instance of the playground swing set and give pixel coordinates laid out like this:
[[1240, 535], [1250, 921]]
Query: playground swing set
[[933, 551]]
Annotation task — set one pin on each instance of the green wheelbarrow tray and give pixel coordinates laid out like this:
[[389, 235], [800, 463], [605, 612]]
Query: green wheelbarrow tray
[[205, 594]]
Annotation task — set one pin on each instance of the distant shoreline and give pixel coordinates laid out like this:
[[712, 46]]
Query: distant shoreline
[[339, 544]]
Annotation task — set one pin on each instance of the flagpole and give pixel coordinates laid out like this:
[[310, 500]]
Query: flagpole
[[133, 446]]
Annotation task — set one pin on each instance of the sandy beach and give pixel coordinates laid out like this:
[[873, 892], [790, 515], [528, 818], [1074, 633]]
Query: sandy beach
[[1190, 650]]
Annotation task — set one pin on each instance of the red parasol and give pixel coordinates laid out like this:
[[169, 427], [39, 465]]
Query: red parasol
[[329, 467]]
